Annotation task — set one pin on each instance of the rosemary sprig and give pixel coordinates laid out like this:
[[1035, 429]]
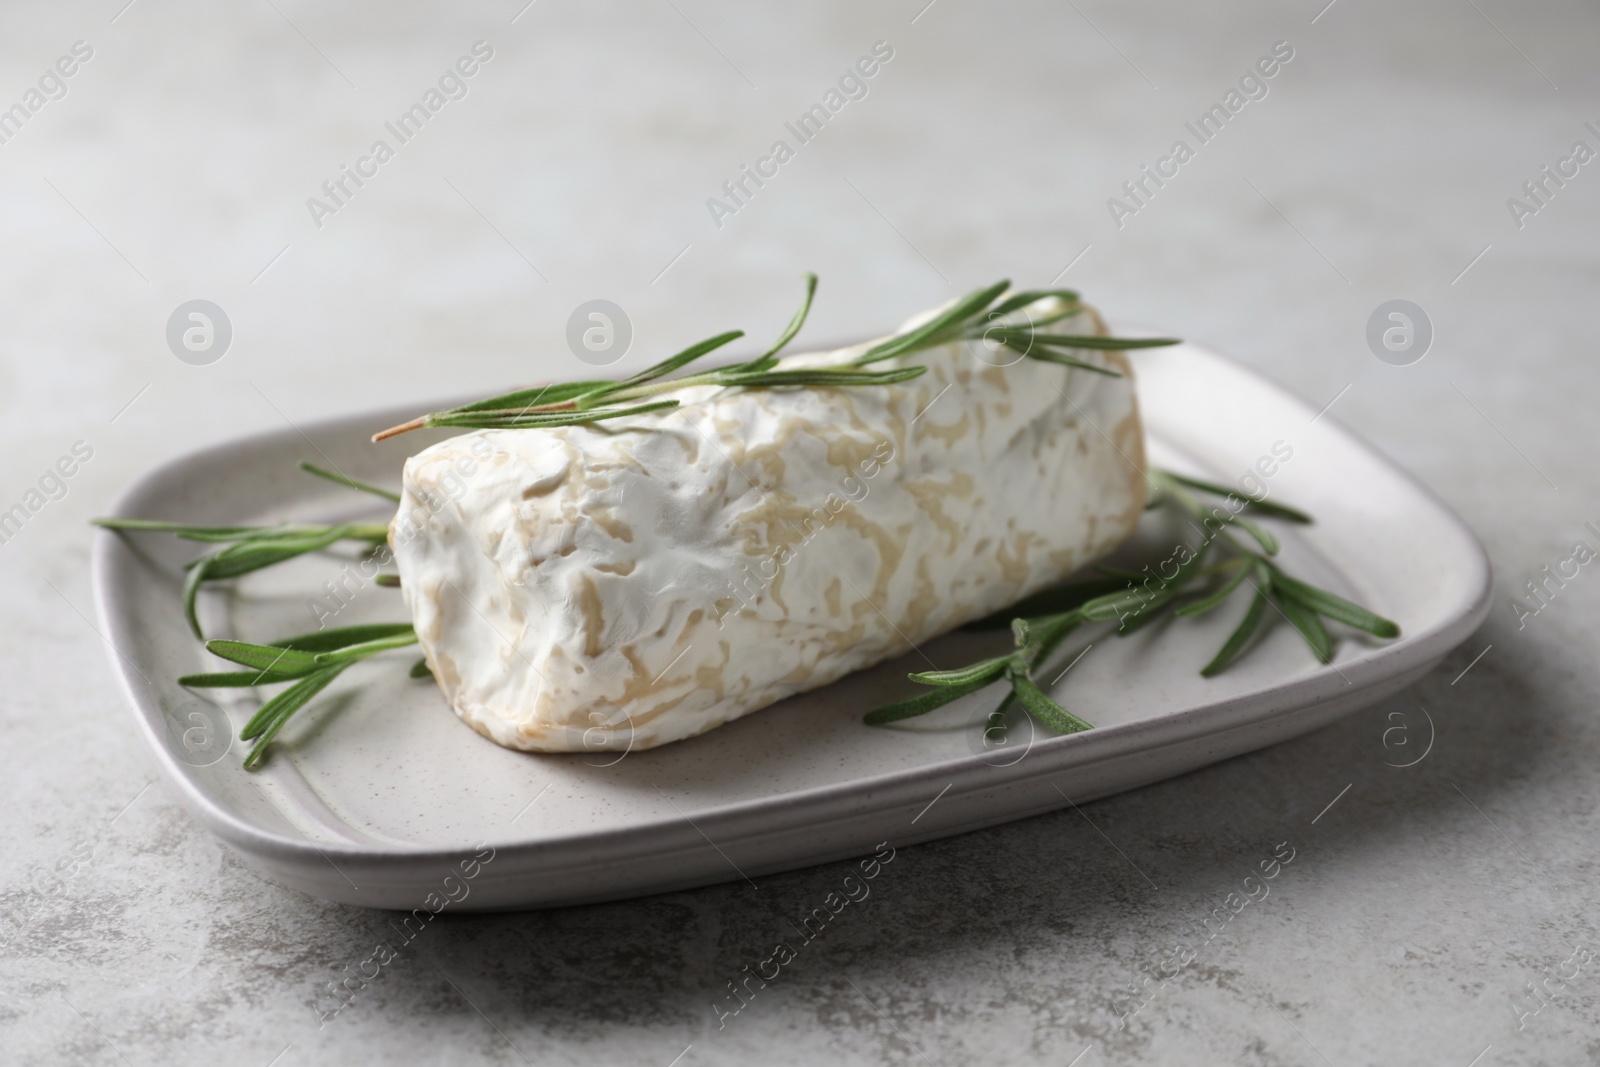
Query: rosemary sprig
[[250, 548], [1041, 622], [974, 317], [311, 661], [1034, 640], [581, 403]]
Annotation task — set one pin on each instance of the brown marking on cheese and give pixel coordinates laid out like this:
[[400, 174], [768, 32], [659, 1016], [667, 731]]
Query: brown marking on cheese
[[645, 717], [780, 559], [851, 453], [586, 598], [735, 447], [689, 442], [801, 673], [925, 393], [1065, 561], [642, 682], [623, 567], [830, 596], [1100, 327], [996, 377], [930, 496], [899, 429], [1014, 560], [779, 525], [445, 671], [769, 457], [891, 547], [839, 641], [518, 616], [914, 623], [605, 518], [713, 676], [1128, 436], [951, 434], [635, 664], [777, 519]]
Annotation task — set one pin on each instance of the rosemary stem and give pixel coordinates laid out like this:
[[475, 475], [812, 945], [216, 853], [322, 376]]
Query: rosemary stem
[[405, 427], [656, 388]]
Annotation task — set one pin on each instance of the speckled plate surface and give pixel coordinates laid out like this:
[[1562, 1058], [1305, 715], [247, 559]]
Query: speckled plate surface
[[377, 795]]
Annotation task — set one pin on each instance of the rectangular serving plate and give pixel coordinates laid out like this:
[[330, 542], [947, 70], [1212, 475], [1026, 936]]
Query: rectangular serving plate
[[376, 792]]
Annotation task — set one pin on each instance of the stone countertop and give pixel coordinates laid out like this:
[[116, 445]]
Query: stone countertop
[[176, 162]]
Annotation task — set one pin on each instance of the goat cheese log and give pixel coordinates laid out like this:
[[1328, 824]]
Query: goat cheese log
[[630, 583]]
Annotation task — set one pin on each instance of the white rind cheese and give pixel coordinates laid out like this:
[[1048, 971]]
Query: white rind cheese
[[631, 583]]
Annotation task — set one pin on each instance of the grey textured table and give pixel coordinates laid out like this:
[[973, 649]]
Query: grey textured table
[[176, 162]]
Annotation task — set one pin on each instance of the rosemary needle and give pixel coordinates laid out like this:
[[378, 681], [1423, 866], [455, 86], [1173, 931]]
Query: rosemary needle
[[349, 482]]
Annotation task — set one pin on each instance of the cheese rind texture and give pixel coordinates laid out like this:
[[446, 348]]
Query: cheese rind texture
[[631, 583]]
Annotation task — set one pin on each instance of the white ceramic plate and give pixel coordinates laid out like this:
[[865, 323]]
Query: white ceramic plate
[[376, 793]]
